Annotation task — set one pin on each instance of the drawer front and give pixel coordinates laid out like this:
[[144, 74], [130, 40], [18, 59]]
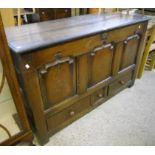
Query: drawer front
[[68, 115], [120, 84], [99, 96]]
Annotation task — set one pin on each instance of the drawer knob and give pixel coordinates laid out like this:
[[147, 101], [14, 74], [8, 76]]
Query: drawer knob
[[122, 82], [72, 113], [100, 95]]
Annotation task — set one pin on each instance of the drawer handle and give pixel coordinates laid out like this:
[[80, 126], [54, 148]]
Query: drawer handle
[[97, 49], [72, 113], [60, 61], [100, 95], [44, 69], [122, 82], [135, 36]]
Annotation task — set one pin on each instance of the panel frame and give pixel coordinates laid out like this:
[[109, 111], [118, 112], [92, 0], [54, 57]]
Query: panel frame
[[111, 47], [136, 36], [43, 69]]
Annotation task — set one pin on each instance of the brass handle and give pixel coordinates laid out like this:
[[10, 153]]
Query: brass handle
[[72, 113], [43, 13], [100, 95], [122, 82], [66, 10]]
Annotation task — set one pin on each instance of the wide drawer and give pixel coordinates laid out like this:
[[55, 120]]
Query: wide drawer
[[67, 115], [120, 84], [99, 96]]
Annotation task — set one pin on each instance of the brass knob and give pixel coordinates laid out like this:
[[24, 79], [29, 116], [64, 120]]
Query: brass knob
[[43, 13], [122, 82], [100, 95], [72, 113]]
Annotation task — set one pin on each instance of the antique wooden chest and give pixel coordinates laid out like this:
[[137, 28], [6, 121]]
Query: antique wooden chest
[[67, 67]]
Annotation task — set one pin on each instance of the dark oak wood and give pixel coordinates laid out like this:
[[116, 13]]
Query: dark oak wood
[[68, 69], [101, 59], [53, 13], [8, 66], [67, 29]]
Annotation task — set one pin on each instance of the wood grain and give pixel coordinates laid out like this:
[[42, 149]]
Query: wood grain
[[33, 36]]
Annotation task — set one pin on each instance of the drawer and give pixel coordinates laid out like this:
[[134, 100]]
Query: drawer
[[99, 96], [120, 84], [67, 115]]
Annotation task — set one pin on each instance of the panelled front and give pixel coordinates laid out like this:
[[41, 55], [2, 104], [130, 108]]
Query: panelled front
[[68, 70], [79, 75]]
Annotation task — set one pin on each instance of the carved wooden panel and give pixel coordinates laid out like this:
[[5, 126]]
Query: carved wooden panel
[[129, 53], [101, 59], [57, 81]]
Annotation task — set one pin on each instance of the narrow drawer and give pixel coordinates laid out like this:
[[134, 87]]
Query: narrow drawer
[[67, 115], [99, 96], [120, 84]]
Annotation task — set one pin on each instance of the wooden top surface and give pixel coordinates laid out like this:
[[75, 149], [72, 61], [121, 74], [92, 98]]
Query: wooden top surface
[[30, 37]]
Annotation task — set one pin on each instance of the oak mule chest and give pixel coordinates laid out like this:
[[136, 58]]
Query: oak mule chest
[[67, 67]]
